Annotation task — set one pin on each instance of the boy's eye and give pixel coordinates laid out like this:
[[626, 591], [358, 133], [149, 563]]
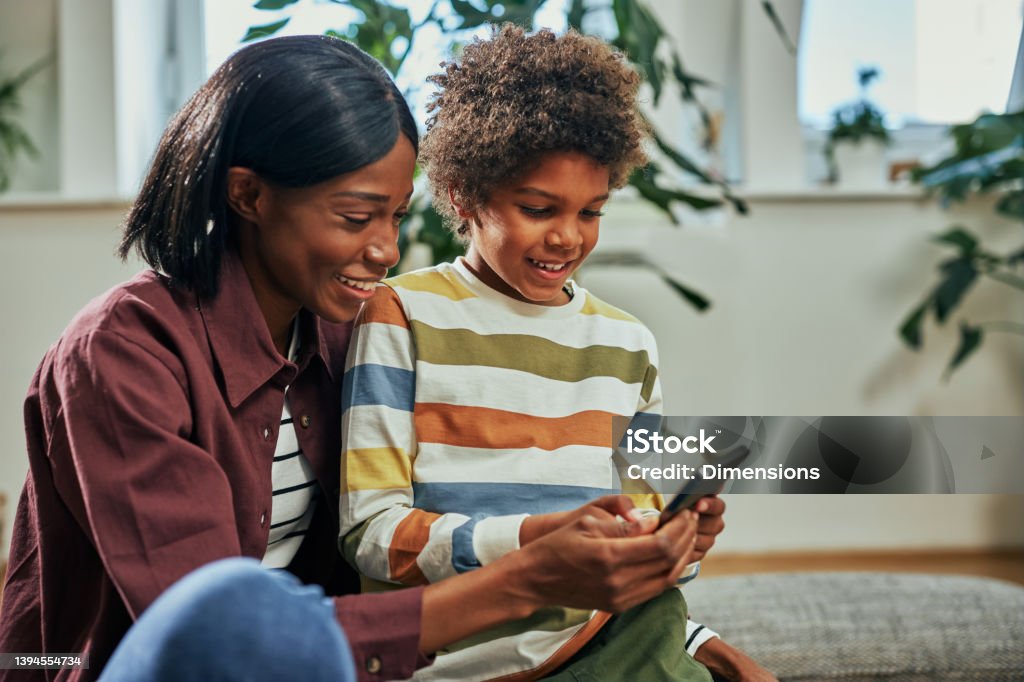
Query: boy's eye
[[534, 211]]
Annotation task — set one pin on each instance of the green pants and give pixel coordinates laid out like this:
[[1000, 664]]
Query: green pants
[[644, 644]]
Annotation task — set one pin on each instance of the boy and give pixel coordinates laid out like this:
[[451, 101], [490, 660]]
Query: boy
[[479, 395]]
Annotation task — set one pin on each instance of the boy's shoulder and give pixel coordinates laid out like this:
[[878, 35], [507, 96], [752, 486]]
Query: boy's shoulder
[[592, 305], [438, 280]]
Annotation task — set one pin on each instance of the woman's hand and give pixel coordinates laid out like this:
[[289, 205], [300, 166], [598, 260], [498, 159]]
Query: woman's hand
[[603, 508]]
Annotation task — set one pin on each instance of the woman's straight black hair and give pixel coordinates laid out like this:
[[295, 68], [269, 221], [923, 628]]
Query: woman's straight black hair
[[297, 110]]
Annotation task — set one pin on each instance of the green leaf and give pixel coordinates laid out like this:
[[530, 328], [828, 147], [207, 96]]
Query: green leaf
[[257, 32], [910, 330], [574, 14], [1012, 205], [780, 29], [274, 4], [970, 340], [960, 238], [960, 274], [698, 300]]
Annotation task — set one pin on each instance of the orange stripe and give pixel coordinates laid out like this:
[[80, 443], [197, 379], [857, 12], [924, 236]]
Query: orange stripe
[[409, 540], [384, 307], [563, 654], [485, 427]]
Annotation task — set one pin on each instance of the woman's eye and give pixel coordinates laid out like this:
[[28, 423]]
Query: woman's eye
[[356, 219], [534, 211], [400, 216], [587, 213]]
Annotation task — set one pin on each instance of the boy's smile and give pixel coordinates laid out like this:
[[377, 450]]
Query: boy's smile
[[535, 231]]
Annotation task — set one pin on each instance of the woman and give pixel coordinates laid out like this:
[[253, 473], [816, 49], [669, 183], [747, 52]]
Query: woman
[[155, 424]]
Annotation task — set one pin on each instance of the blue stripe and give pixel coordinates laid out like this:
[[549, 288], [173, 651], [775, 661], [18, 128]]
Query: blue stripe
[[378, 385], [463, 557], [499, 499]]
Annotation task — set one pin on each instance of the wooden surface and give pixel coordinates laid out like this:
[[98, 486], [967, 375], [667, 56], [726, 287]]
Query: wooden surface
[[1001, 564]]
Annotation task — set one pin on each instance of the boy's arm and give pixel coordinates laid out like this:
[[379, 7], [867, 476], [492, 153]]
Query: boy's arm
[[382, 535]]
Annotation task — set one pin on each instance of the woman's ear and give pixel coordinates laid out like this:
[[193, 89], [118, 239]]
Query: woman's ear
[[462, 212], [245, 187]]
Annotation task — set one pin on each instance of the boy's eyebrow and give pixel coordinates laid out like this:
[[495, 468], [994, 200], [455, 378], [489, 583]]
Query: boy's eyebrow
[[368, 196], [554, 197]]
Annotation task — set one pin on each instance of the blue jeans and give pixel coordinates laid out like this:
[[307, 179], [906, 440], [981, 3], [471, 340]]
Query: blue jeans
[[234, 620]]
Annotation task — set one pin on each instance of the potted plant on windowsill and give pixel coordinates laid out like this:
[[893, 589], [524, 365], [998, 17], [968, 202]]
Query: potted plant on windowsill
[[855, 149], [13, 138]]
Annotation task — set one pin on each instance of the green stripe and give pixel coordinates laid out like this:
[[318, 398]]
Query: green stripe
[[528, 353], [648, 388], [549, 619]]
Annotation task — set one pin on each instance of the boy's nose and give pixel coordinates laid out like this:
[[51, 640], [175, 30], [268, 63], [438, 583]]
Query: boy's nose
[[564, 236]]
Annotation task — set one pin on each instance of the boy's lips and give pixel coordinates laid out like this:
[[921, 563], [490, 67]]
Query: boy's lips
[[550, 269]]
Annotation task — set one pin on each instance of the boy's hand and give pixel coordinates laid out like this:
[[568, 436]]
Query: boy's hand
[[728, 662], [711, 523], [604, 508], [603, 563]]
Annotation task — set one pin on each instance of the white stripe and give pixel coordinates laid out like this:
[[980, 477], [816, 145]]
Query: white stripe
[[378, 426], [372, 553], [435, 561], [515, 391], [389, 346], [577, 465]]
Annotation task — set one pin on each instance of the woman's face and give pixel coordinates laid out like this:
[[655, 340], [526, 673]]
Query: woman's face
[[535, 231], [323, 247]]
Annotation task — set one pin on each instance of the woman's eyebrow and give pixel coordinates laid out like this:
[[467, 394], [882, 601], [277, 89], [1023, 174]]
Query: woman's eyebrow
[[368, 196], [554, 197]]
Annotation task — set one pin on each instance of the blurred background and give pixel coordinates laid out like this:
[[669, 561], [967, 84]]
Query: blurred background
[[831, 223]]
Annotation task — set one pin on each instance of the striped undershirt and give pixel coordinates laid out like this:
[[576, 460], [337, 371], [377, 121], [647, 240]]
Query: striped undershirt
[[294, 486]]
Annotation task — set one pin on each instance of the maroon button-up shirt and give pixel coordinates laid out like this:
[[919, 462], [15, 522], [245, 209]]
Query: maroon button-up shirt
[[151, 428]]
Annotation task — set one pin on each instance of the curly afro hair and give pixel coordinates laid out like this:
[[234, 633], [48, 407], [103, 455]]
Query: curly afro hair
[[515, 97]]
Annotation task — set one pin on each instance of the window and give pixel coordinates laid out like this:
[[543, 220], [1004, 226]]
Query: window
[[941, 61]]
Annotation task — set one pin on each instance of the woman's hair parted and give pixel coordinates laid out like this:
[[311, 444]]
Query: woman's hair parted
[[297, 110], [514, 97]]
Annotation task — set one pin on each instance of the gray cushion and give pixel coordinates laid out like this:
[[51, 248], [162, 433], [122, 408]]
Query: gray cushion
[[868, 626]]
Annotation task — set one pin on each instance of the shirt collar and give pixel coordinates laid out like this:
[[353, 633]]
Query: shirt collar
[[241, 341]]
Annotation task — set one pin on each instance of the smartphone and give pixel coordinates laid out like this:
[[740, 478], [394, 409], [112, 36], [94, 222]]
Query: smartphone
[[698, 487]]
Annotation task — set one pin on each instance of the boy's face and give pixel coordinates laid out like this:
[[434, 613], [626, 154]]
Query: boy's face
[[536, 230]]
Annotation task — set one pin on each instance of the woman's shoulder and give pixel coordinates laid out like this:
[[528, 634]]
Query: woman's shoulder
[[146, 310]]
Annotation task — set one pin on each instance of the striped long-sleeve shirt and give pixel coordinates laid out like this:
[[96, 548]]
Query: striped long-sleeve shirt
[[465, 411]]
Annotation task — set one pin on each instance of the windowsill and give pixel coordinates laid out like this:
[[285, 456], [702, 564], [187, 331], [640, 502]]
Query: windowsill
[[44, 200], [825, 193]]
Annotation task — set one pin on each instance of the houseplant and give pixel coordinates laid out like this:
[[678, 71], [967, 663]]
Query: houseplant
[[988, 160], [13, 138], [858, 129]]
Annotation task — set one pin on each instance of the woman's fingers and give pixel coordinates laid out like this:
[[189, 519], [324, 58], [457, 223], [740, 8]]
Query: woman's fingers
[[617, 505]]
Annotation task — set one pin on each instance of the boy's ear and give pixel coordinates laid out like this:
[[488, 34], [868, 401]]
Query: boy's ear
[[462, 212], [244, 189]]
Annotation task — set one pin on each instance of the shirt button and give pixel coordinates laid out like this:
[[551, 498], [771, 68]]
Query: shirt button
[[373, 665], [266, 433], [305, 421], [263, 519]]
